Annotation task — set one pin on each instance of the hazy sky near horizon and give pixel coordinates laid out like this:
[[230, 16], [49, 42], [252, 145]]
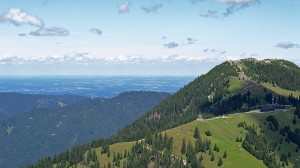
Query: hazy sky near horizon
[[154, 37]]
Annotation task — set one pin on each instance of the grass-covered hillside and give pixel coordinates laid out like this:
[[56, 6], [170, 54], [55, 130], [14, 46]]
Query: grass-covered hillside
[[224, 134]]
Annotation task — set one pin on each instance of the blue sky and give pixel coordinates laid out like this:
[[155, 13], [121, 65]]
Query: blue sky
[[157, 37]]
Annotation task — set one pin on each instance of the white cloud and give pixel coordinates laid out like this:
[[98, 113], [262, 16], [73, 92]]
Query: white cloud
[[53, 31], [171, 45], [96, 31], [287, 45], [84, 58], [237, 5], [191, 40], [124, 7], [233, 6], [18, 17]]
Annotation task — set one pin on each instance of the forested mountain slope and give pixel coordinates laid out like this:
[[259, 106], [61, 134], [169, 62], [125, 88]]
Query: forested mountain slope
[[233, 86], [15, 103], [42, 132], [281, 73]]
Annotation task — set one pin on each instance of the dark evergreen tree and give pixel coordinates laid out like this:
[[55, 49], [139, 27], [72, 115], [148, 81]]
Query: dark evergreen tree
[[212, 158], [294, 120], [225, 154], [196, 133], [183, 147], [220, 162]]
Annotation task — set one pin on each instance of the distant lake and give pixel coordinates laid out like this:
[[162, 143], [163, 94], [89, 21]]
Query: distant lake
[[92, 86]]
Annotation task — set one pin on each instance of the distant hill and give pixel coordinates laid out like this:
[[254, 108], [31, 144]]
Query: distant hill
[[15, 103], [42, 132], [231, 87]]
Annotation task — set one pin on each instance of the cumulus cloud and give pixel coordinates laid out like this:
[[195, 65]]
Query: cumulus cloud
[[96, 31], [191, 40], [69, 58], [237, 5], [84, 58], [287, 45], [18, 17], [214, 50], [124, 7], [78, 58], [152, 9], [53, 31], [232, 6], [171, 45], [196, 59]]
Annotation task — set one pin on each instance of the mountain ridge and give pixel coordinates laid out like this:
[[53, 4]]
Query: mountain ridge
[[232, 86], [12, 104]]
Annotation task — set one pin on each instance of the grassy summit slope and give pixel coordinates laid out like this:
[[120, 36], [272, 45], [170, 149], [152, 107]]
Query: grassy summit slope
[[224, 133]]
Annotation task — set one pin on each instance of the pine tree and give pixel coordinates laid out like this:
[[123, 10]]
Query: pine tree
[[198, 146], [194, 162], [118, 163], [114, 157], [215, 147], [294, 120], [125, 154], [94, 156], [201, 157], [89, 156], [108, 153], [237, 139], [209, 152], [196, 133], [183, 147], [165, 140], [212, 157], [220, 163], [225, 154], [190, 152]]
